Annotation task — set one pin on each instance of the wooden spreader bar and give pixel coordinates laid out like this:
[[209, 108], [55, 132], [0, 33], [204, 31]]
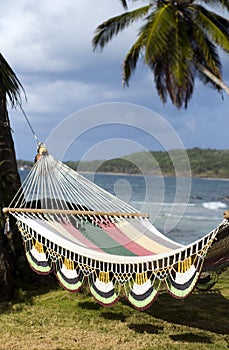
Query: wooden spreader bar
[[73, 212]]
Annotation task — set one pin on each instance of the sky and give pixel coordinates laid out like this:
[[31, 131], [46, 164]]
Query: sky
[[48, 44]]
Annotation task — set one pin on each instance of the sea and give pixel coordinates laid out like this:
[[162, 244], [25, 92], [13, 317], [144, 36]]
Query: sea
[[184, 209]]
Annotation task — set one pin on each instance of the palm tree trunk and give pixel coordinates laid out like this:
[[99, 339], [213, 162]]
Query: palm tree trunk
[[11, 247], [211, 76]]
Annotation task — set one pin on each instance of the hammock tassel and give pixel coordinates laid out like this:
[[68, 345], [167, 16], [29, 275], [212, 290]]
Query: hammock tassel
[[7, 230]]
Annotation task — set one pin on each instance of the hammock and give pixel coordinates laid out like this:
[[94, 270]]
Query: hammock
[[81, 232]]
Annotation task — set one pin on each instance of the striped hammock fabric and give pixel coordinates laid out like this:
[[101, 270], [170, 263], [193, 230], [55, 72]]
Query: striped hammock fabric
[[82, 233]]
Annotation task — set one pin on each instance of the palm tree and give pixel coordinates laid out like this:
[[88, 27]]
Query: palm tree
[[179, 41], [11, 248]]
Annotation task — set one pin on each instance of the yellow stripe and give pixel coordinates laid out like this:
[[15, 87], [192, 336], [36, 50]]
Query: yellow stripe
[[138, 237]]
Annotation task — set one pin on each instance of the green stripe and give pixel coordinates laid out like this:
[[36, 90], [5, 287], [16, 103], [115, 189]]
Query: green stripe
[[67, 285], [102, 240], [141, 304], [182, 293], [103, 300], [42, 269]]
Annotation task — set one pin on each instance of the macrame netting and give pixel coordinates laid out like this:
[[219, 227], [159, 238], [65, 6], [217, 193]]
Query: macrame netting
[[81, 232]]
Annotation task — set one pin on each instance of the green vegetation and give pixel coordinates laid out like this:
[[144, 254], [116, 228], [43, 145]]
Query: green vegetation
[[209, 162], [204, 163], [51, 318], [24, 163]]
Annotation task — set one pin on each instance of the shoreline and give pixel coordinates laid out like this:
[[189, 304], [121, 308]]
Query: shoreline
[[139, 175], [151, 174]]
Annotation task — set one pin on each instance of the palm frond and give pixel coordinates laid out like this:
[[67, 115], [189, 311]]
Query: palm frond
[[160, 23], [180, 94], [206, 52], [158, 68], [167, 83], [9, 83], [173, 69], [124, 4], [131, 59], [222, 22], [182, 52], [208, 57], [105, 31], [218, 30], [221, 4]]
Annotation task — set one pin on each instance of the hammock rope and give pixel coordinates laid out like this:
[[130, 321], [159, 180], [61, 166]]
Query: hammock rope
[[73, 227], [30, 126]]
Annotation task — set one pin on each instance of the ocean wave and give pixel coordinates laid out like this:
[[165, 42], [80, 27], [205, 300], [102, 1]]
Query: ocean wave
[[214, 205], [163, 204], [192, 217]]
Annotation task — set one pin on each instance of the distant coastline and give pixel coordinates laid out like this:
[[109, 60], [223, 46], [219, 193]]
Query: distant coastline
[[150, 174], [204, 163]]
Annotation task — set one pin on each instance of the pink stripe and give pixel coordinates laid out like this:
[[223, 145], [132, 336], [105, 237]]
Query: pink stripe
[[123, 240], [78, 235]]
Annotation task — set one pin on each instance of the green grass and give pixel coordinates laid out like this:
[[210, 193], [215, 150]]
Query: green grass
[[51, 318]]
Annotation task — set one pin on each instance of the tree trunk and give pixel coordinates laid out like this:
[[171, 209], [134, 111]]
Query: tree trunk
[[11, 246], [213, 78]]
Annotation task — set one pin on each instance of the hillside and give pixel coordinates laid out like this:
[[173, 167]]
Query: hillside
[[204, 163]]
